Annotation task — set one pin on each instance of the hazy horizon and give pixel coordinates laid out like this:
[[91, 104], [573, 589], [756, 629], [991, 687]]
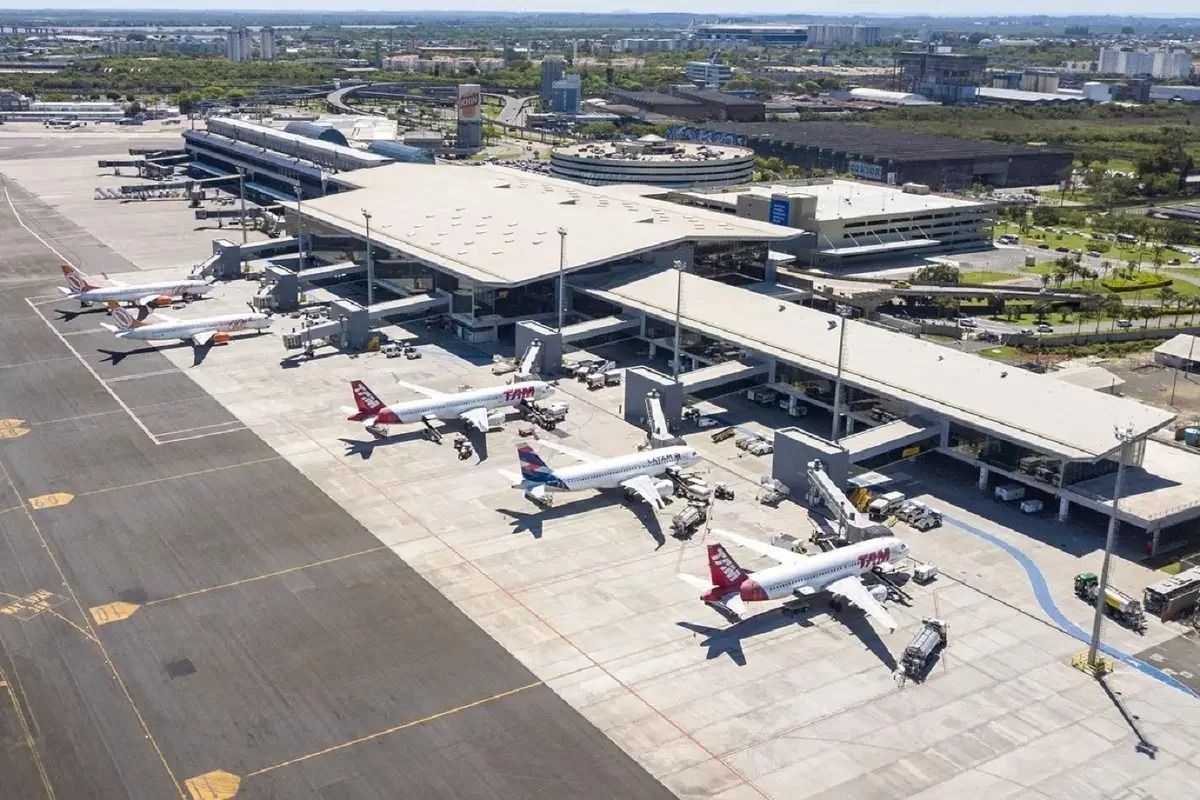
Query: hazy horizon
[[721, 8]]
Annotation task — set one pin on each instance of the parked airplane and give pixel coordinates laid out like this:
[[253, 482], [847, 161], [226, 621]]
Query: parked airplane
[[634, 472], [837, 572], [79, 287], [200, 331], [470, 406]]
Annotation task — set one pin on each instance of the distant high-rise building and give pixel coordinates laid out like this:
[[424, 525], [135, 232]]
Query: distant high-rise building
[[566, 95], [266, 44], [708, 74], [553, 69], [1156, 63], [237, 45]]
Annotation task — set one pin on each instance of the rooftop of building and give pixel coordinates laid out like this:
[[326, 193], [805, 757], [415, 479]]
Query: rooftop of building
[[1043, 413], [1182, 345], [498, 226], [714, 97], [656, 98], [654, 149], [841, 199], [1024, 96], [869, 140]]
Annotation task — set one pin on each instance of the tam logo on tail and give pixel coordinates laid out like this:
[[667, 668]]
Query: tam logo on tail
[[723, 570], [123, 318], [367, 402]]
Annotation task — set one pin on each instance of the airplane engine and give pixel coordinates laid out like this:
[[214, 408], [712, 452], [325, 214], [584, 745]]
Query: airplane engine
[[879, 592], [162, 301], [220, 338]]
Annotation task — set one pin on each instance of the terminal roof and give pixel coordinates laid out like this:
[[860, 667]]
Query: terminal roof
[[499, 227], [1036, 410]]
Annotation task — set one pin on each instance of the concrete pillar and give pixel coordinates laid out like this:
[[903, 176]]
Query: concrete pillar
[[793, 401], [1064, 509], [653, 350], [772, 371], [944, 439], [849, 425], [983, 479]]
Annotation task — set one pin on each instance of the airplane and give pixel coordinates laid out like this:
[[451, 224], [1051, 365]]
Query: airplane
[[79, 287], [634, 472], [470, 406], [837, 572], [201, 331]]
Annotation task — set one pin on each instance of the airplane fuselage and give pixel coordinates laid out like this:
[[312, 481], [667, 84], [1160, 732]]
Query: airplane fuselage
[[817, 572], [186, 329], [130, 293], [449, 406], [609, 473]]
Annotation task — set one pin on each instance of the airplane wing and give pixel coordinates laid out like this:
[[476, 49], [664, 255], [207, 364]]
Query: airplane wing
[[477, 418], [853, 590], [644, 486], [570, 451], [201, 338], [412, 387], [770, 551], [147, 299]]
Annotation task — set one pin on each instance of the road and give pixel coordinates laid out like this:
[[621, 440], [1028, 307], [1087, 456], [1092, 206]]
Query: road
[[183, 614], [514, 110]]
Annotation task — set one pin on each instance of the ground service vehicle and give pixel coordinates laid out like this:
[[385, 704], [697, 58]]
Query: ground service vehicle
[[1119, 605], [1012, 491], [929, 640]]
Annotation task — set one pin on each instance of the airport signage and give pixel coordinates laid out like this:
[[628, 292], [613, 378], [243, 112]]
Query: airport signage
[[780, 211], [690, 133], [469, 98], [865, 169]]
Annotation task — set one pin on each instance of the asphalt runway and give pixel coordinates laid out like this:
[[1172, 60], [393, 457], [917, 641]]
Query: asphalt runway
[[194, 619]]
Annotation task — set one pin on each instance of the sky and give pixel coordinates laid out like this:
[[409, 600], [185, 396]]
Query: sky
[[712, 7], [1183, 8]]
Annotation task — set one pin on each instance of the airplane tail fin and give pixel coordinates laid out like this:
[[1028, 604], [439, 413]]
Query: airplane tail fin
[[125, 321], [723, 570], [77, 280], [533, 468], [367, 402]]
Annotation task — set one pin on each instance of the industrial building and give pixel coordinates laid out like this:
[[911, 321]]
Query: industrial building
[[842, 35], [237, 45], [653, 161], [941, 75], [892, 156], [266, 43], [1160, 63], [688, 102], [81, 110], [1179, 352], [718, 35], [853, 221]]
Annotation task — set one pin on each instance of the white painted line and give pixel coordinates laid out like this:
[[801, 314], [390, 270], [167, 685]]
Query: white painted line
[[35, 363], [203, 427], [171, 371], [203, 436], [96, 375], [84, 331]]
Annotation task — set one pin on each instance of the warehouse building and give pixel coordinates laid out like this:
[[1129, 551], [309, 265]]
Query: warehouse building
[[880, 154]]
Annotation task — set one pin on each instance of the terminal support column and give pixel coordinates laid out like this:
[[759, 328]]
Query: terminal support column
[[983, 479], [1064, 509]]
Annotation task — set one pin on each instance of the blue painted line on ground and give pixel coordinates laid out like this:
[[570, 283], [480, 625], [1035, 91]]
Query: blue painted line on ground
[[1042, 592]]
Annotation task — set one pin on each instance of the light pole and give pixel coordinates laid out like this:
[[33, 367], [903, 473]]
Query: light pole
[[678, 317], [837, 384], [1126, 437], [562, 276], [242, 197], [1175, 377], [300, 227], [370, 262]]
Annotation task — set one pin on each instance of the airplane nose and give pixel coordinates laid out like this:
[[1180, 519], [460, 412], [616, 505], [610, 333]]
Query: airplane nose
[[751, 591]]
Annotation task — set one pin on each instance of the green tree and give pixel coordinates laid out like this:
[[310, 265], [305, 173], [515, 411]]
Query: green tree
[[938, 273]]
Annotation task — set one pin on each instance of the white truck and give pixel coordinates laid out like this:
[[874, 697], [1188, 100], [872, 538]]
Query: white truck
[[1008, 492], [932, 637], [884, 505], [917, 515]]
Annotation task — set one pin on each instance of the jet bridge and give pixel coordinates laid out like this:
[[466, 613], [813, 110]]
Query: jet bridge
[[592, 328], [339, 270], [895, 435], [852, 524], [658, 432], [719, 374]]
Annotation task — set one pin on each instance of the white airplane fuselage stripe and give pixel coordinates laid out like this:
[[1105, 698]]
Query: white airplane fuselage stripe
[[817, 572], [174, 289], [452, 405]]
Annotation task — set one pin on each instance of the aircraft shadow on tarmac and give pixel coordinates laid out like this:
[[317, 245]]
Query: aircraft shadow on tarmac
[[365, 448], [199, 352], [728, 641], [532, 520], [70, 314]]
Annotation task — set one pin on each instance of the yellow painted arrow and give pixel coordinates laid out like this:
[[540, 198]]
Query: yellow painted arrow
[[50, 500], [215, 785], [112, 612], [13, 433], [11, 423]]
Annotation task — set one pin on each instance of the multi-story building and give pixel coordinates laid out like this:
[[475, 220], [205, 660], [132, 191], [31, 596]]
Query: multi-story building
[[941, 76], [1162, 63], [709, 74], [553, 69], [13, 101], [566, 95], [237, 45], [266, 44], [762, 35], [843, 35]]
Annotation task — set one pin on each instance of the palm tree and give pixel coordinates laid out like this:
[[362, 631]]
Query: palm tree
[[1113, 306], [1046, 278], [1166, 296]]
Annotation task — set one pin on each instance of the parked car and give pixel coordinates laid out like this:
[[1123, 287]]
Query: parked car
[[1174, 262], [1093, 253], [1043, 246], [1062, 249], [967, 322], [1044, 328], [1124, 323], [1026, 331]]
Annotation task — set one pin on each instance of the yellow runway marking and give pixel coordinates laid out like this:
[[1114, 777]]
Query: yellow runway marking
[[388, 731], [11, 423], [153, 481], [216, 785], [13, 433], [112, 612], [50, 500]]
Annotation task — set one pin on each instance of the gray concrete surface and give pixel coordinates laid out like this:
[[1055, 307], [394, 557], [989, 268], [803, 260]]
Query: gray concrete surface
[[266, 633]]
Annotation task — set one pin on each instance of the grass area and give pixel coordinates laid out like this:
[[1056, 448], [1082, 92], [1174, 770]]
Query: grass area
[[986, 276], [1117, 252], [1044, 268], [1191, 272], [1003, 353]]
